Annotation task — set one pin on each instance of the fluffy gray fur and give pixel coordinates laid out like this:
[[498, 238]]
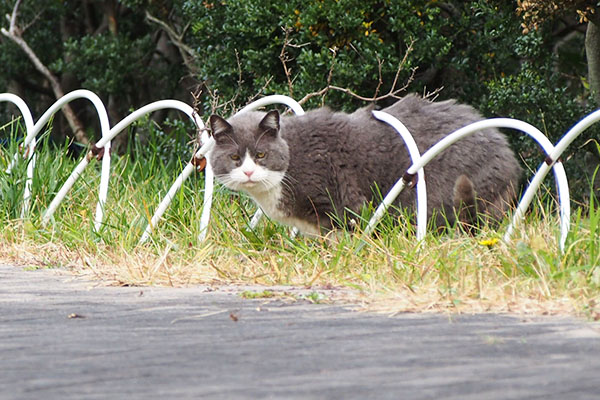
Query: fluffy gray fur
[[324, 162]]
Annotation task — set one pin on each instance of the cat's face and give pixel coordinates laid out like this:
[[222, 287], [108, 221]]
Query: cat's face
[[249, 153]]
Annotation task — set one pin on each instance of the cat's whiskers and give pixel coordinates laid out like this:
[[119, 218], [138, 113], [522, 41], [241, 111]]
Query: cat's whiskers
[[228, 181], [287, 183], [251, 186], [267, 184], [289, 179]]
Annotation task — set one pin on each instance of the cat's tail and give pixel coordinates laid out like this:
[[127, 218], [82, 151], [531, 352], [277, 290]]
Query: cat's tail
[[465, 203]]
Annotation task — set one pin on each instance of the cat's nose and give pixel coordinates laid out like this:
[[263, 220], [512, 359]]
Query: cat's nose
[[248, 173]]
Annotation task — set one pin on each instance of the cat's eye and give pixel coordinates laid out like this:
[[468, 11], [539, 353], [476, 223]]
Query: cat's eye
[[235, 157], [260, 155]]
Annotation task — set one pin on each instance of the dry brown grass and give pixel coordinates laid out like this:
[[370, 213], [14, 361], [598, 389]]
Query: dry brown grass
[[387, 273], [456, 275]]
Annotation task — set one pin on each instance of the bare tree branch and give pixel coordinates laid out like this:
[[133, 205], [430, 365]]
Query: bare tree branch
[[187, 53], [14, 33], [323, 92], [260, 91], [432, 95], [13, 17], [283, 56], [380, 82], [37, 16], [394, 91]]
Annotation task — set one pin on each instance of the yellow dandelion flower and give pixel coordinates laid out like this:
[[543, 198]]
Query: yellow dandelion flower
[[488, 242]]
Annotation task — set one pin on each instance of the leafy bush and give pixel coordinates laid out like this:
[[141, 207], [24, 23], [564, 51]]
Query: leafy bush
[[458, 45], [475, 50]]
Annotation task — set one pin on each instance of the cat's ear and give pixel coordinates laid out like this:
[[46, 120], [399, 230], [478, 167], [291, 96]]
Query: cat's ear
[[221, 129], [270, 124]]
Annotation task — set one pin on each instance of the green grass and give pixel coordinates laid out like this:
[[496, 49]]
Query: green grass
[[265, 294], [388, 271]]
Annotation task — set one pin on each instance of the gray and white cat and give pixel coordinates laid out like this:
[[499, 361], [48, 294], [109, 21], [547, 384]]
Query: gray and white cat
[[305, 171]]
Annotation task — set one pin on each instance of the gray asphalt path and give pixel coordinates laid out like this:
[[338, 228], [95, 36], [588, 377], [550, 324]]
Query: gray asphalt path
[[162, 343]]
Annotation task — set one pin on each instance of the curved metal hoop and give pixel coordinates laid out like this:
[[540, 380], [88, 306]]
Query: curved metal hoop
[[536, 134], [415, 155], [209, 178], [208, 191], [104, 129], [553, 160], [28, 118], [34, 130], [274, 99], [106, 138]]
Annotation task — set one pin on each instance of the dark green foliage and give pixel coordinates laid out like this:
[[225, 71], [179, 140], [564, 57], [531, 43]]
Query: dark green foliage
[[107, 64], [468, 48], [543, 92], [475, 50], [106, 47]]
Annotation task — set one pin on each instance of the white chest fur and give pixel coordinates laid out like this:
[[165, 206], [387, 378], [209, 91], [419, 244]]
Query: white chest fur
[[269, 201], [265, 188]]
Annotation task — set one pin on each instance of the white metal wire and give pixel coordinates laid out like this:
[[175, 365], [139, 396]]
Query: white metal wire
[[208, 194], [274, 99], [29, 146], [208, 189], [34, 130], [536, 134], [418, 161], [414, 154], [104, 129], [553, 157], [114, 131]]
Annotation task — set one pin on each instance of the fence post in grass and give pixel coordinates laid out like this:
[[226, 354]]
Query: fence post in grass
[[114, 131], [552, 160], [536, 134], [414, 154], [104, 129], [29, 146]]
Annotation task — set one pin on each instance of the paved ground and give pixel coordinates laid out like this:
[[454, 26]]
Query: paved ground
[[147, 343]]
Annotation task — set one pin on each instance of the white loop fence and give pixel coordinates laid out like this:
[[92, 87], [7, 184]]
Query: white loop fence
[[30, 147], [419, 161], [394, 192], [209, 177]]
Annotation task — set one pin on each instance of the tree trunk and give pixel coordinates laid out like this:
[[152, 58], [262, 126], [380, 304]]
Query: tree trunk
[[14, 34], [74, 123], [592, 51]]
